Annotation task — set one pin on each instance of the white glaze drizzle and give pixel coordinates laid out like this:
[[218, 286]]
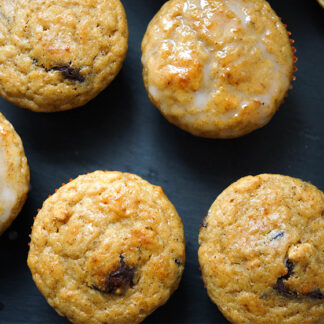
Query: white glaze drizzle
[[8, 195], [203, 95], [207, 87], [245, 18]]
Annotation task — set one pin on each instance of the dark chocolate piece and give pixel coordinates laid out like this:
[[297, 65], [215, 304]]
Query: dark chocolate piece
[[280, 285], [290, 266], [204, 222], [96, 288], [178, 262], [283, 290], [70, 73], [278, 235], [315, 294], [118, 281], [67, 71]]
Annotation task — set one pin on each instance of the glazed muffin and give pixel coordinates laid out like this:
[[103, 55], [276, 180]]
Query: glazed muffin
[[58, 55], [262, 251], [14, 174], [216, 68], [107, 248]]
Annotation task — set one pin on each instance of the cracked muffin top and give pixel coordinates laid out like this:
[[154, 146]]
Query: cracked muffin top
[[107, 248], [262, 251], [14, 174], [58, 55], [217, 68]]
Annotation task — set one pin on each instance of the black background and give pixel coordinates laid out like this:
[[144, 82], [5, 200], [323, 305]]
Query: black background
[[121, 130]]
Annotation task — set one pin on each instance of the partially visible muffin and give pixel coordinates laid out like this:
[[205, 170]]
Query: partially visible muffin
[[14, 174], [217, 68], [58, 55], [107, 248], [262, 251]]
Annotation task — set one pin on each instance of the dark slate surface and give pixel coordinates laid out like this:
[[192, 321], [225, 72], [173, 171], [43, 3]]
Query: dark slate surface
[[121, 130]]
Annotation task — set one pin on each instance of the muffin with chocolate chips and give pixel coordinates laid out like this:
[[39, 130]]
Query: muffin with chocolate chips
[[262, 251], [107, 248], [58, 55]]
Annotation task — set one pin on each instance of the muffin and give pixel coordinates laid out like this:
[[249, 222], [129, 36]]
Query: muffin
[[262, 251], [58, 55], [215, 68], [107, 248], [14, 174]]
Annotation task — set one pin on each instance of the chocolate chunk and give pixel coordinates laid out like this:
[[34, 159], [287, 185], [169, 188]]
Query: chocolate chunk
[[283, 290], [178, 262], [280, 285], [290, 266], [118, 281], [70, 73], [96, 288], [204, 222], [66, 70], [316, 294], [277, 235]]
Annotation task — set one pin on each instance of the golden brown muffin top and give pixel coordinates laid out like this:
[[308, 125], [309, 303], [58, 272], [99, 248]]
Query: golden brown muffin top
[[57, 55], [262, 251], [107, 248]]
